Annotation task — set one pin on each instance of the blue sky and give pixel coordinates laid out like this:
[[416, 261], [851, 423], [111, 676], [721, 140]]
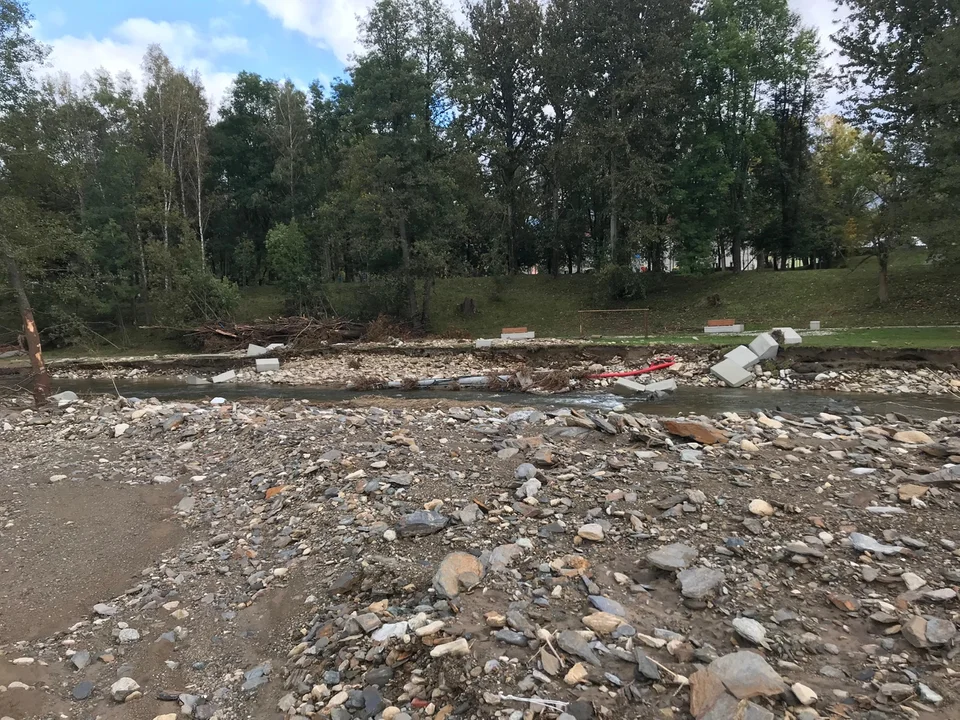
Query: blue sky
[[298, 39]]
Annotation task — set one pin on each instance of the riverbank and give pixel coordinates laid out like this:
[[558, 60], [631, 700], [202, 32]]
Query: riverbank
[[447, 560], [550, 365]]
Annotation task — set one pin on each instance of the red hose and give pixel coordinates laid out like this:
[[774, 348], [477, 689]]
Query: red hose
[[632, 373]]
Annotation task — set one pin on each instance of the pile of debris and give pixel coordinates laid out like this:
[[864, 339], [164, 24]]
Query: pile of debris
[[306, 332]]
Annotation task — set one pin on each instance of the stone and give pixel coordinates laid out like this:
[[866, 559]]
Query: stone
[[128, 635], [628, 388], [591, 531], [458, 571], [663, 386], [502, 557], [805, 695], [727, 708], [743, 356], [914, 631], [765, 347], [761, 508], [120, 429], [123, 688], [83, 690], [865, 543], [529, 489], [913, 581], [573, 643], [255, 350], [672, 557], [455, 648], [705, 689], [368, 622], [698, 583], [751, 630], [511, 637], [646, 668], [909, 492], [939, 631], [186, 505], [170, 716], [576, 675], [80, 659], [389, 631], [602, 623], [701, 433], [105, 610], [65, 398], [929, 695], [268, 365], [912, 437], [604, 604], [731, 374], [225, 377], [421, 522], [747, 675]]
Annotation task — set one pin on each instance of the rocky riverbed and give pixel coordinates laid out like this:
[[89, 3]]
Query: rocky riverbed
[[433, 560]]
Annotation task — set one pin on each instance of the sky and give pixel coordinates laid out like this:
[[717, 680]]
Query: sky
[[302, 40]]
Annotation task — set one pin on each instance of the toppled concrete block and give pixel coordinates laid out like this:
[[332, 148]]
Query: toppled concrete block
[[663, 386], [790, 336], [765, 347], [518, 336], [628, 388], [483, 344], [268, 365], [731, 373], [65, 398], [743, 356], [255, 350], [814, 324], [724, 330], [194, 380], [225, 377]]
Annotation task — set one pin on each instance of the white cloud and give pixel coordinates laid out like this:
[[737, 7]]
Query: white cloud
[[122, 49], [332, 24]]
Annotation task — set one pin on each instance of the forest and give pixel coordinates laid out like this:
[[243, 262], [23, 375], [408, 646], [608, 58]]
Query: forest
[[616, 137]]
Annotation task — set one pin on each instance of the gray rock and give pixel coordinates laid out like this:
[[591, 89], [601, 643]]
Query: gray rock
[[940, 632], [421, 522], [105, 610], [571, 642], [645, 666], [929, 695], [747, 675], [526, 471], [83, 690], [698, 583], [123, 688], [65, 398], [727, 708], [751, 630], [511, 637], [672, 557], [80, 659], [865, 543], [607, 605], [529, 489]]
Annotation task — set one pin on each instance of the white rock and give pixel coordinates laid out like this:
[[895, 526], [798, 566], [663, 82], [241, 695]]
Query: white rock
[[761, 508], [591, 531], [805, 695], [122, 688]]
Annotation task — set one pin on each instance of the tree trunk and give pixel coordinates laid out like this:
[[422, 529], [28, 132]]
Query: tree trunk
[[41, 379], [614, 251], [408, 271], [883, 260], [737, 248], [555, 245], [427, 297], [511, 241]]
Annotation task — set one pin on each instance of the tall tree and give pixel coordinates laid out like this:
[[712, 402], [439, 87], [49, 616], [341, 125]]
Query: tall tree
[[289, 131]]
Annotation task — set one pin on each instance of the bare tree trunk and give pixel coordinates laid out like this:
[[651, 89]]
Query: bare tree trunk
[[41, 378], [613, 211], [883, 260]]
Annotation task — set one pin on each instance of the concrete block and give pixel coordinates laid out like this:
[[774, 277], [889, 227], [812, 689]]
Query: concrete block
[[765, 347], [814, 324], [255, 350], [731, 373], [268, 365], [743, 356], [663, 386], [724, 330], [628, 388], [483, 344], [790, 336], [225, 377], [194, 380], [518, 336]]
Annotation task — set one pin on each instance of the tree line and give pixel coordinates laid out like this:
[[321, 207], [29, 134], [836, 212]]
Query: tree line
[[570, 135]]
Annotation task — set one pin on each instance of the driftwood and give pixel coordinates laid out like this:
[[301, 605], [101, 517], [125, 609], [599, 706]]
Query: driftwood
[[304, 332]]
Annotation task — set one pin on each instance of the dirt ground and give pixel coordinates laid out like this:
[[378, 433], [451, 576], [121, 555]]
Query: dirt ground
[[289, 539]]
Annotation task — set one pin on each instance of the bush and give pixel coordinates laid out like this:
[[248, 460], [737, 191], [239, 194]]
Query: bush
[[616, 283]]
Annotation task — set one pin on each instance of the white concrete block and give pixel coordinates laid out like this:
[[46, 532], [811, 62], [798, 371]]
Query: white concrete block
[[790, 336], [731, 373], [628, 388], [814, 324], [743, 356], [194, 380], [483, 344], [724, 330], [255, 350], [268, 365], [225, 377], [518, 336], [663, 386], [765, 347]]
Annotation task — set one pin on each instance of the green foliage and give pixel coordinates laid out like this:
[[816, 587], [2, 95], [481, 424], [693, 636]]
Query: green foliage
[[183, 291], [616, 284], [287, 254]]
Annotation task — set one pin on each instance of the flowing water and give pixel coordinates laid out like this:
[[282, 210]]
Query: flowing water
[[687, 400]]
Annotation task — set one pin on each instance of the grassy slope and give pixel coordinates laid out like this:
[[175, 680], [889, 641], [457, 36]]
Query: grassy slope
[[921, 295]]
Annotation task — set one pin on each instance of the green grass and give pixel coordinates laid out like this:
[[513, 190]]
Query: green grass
[[920, 294]]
